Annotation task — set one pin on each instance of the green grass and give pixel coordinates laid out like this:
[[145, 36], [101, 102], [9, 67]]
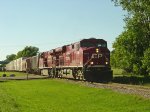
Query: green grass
[[52, 95], [16, 73], [117, 71]]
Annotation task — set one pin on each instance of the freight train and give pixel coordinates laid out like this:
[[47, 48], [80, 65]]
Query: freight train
[[88, 59]]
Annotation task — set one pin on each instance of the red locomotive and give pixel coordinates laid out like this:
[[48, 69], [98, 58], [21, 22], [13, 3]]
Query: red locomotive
[[87, 59]]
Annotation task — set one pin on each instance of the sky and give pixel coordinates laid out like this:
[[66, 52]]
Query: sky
[[48, 24]]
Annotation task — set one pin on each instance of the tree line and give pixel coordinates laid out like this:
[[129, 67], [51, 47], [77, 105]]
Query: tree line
[[28, 51], [131, 49]]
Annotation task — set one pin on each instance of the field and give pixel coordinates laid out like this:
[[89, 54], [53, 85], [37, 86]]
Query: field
[[53, 95]]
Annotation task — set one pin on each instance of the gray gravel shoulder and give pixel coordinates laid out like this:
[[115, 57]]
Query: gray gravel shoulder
[[121, 88]]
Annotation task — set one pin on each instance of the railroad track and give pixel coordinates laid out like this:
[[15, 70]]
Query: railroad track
[[121, 88]]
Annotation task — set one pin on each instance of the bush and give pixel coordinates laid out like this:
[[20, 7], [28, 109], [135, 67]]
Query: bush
[[146, 61]]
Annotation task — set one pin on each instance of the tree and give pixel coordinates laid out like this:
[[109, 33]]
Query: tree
[[28, 51], [10, 57], [146, 60], [19, 54], [132, 45]]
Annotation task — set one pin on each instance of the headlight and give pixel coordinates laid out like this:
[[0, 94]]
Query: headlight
[[92, 63], [97, 50]]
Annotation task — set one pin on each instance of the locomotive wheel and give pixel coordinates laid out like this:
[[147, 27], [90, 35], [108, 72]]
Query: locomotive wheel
[[60, 74], [41, 72], [54, 73], [77, 75], [74, 74], [80, 74], [50, 72]]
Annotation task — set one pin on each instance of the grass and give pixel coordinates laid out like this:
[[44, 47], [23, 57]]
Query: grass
[[117, 71], [52, 95]]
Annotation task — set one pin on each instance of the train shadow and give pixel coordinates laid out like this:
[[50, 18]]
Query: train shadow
[[131, 80]]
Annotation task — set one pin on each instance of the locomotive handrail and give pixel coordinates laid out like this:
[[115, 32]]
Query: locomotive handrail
[[87, 62]]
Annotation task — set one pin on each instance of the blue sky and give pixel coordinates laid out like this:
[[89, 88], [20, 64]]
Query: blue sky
[[49, 24]]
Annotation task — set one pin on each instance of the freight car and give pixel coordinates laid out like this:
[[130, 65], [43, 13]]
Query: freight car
[[17, 65], [32, 64], [87, 59]]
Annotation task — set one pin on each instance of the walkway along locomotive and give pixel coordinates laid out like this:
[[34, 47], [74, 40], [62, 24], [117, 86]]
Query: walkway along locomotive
[[88, 59]]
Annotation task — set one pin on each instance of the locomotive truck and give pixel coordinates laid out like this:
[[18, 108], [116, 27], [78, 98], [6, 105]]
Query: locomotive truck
[[88, 59]]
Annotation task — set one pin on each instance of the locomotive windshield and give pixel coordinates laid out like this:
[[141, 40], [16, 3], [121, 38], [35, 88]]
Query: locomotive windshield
[[90, 44]]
